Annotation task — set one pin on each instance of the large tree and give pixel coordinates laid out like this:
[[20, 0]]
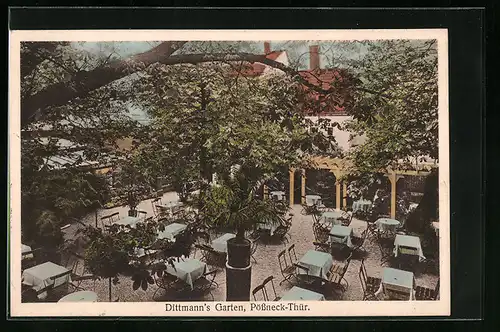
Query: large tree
[[400, 123]]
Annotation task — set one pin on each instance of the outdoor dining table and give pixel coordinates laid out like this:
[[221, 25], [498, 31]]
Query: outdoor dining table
[[39, 276], [220, 243], [187, 270], [24, 249], [341, 234], [170, 207], [318, 263], [408, 241], [279, 195], [128, 221], [171, 231], [361, 205], [387, 225], [271, 226], [83, 296], [435, 225], [332, 217], [301, 294], [396, 284], [313, 199]]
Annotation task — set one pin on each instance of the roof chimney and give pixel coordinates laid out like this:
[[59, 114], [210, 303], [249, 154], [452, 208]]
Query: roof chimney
[[314, 57], [267, 47]]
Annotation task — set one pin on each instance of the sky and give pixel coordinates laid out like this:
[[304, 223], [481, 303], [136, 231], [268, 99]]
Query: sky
[[330, 52]]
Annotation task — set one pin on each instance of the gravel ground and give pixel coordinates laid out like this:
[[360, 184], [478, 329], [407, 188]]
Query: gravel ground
[[267, 262]]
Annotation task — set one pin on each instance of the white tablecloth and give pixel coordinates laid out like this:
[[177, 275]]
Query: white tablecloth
[[220, 244], [188, 270], [341, 234], [301, 294], [25, 248], [83, 296], [332, 217], [171, 231], [313, 199], [387, 225], [408, 241], [318, 263], [361, 205], [128, 221], [280, 195], [270, 226], [170, 207], [397, 280], [38, 277]]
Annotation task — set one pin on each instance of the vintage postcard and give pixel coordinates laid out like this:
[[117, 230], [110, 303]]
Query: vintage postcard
[[229, 173]]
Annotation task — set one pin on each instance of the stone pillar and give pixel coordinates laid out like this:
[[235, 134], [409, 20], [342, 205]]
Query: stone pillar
[[303, 186], [344, 199], [337, 196], [238, 283], [292, 186]]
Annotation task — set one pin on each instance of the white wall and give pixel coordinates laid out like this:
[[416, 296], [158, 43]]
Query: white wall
[[341, 136]]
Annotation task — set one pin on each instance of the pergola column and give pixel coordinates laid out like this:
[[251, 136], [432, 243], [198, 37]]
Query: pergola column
[[344, 200], [303, 186], [337, 196], [292, 186], [393, 178]]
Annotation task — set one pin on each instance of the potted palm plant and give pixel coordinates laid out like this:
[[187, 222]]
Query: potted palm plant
[[232, 203]]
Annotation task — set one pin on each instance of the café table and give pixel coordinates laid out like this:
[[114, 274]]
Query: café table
[[435, 225], [301, 294], [313, 200], [170, 207], [387, 225], [318, 263], [411, 246], [83, 296], [171, 231], [128, 221], [271, 226], [25, 249], [341, 234], [396, 285], [332, 217], [220, 243], [39, 276], [361, 205], [279, 195], [187, 269]]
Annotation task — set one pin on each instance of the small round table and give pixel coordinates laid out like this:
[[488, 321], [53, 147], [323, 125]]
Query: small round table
[[83, 296], [314, 199], [332, 217], [387, 225]]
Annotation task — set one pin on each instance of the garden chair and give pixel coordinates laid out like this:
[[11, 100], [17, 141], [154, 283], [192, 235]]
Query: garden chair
[[270, 279], [154, 203], [337, 274], [427, 294], [167, 282], [346, 218], [281, 233], [358, 242], [204, 284], [141, 214], [323, 247], [287, 271], [370, 285], [259, 289], [30, 295], [385, 252], [107, 221], [291, 251]]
